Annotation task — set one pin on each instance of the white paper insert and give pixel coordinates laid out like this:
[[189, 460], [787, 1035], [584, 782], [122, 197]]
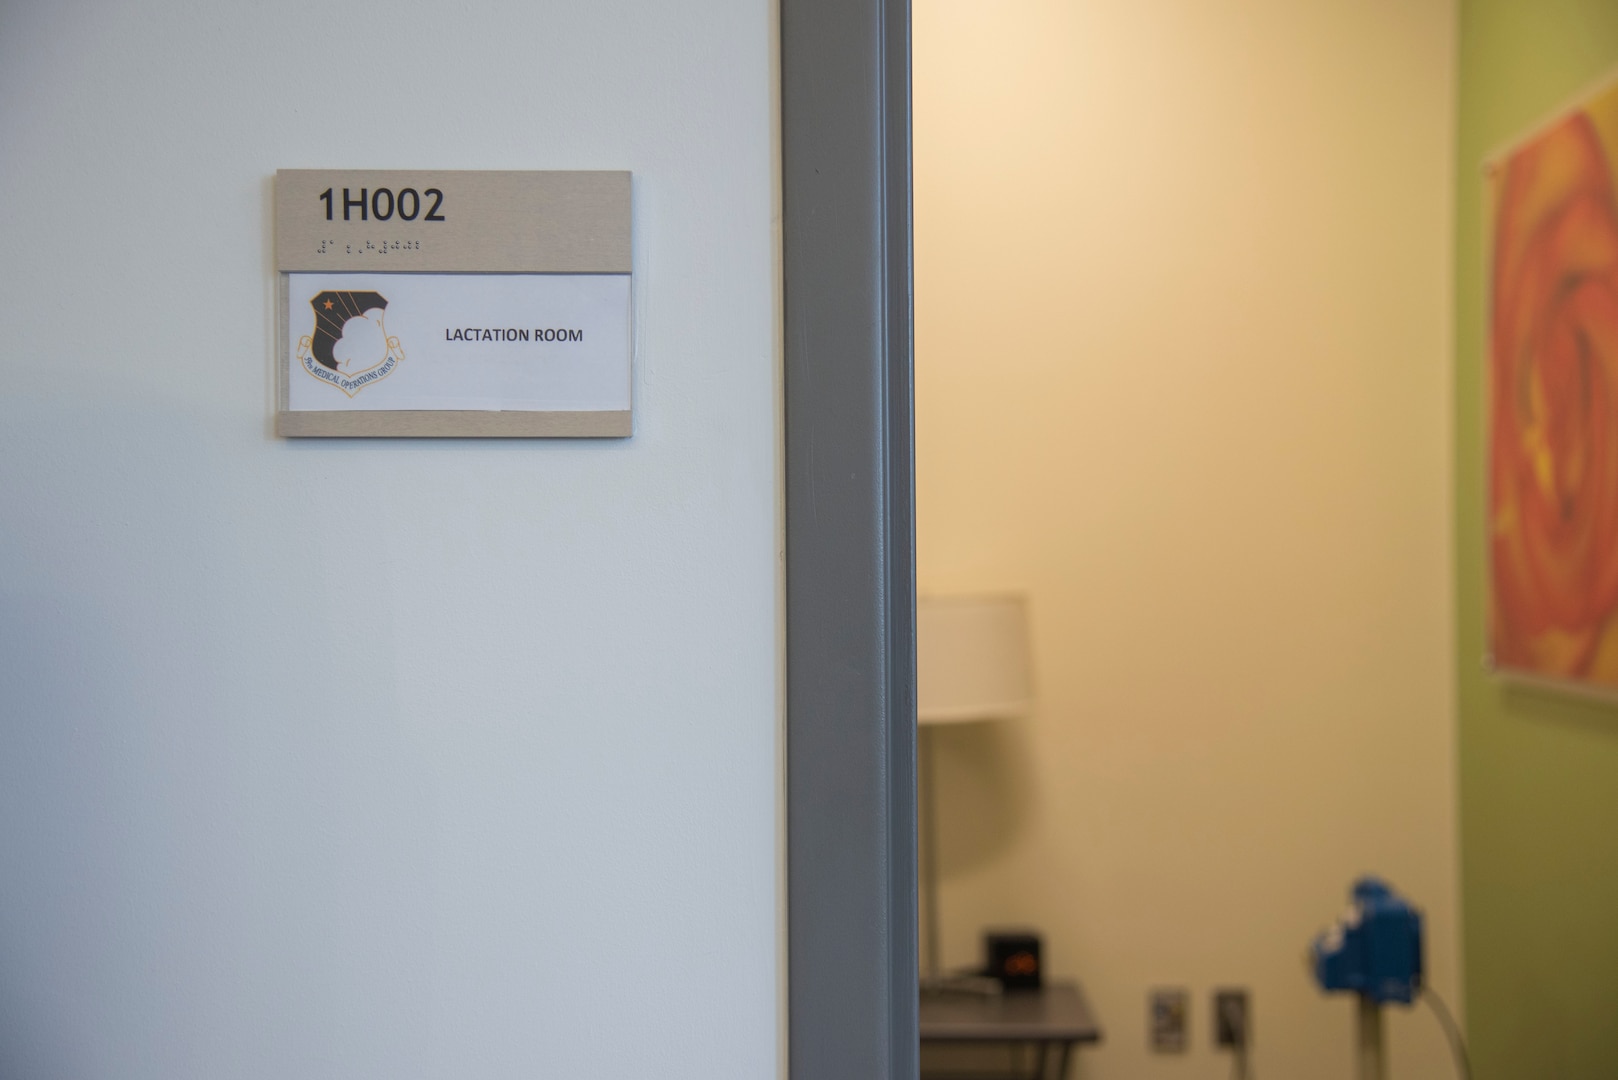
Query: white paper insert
[[524, 342]]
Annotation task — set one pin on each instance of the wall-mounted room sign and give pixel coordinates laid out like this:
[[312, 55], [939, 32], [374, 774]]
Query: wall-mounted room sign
[[453, 303]]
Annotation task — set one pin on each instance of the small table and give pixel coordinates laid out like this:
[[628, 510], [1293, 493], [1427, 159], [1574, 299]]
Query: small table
[[1055, 1016]]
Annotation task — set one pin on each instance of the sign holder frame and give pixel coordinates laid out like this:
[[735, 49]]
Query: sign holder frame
[[495, 222]]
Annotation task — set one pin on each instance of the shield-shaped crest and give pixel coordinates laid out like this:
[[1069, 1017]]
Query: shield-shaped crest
[[350, 347]]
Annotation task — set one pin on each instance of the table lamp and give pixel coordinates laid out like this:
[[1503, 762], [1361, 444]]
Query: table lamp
[[971, 665]]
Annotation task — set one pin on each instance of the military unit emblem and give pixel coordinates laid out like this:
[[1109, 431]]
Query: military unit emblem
[[350, 348]]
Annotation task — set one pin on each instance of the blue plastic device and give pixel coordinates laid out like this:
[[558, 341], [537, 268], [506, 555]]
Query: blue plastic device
[[1373, 950]]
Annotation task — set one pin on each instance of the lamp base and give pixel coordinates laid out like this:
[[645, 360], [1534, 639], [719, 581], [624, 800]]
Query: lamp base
[[981, 986]]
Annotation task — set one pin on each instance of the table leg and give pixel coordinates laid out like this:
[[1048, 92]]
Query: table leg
[[1039, 1061], [1062, 1061]]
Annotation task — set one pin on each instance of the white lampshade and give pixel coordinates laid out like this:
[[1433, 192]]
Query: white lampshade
[[972, 659]]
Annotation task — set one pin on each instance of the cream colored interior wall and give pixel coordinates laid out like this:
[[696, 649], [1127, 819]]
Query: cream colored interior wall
[[1182, 288]]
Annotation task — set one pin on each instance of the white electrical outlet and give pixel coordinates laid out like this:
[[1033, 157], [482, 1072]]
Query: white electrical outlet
[[1232, 1019], [1167, 1019]]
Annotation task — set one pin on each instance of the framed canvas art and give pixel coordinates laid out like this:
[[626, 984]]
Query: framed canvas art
[[1553, 399]]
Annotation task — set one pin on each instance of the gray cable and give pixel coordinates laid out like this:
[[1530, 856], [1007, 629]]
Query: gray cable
[[1452, 1030]]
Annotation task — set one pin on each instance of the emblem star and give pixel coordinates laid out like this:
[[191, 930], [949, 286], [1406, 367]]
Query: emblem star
[[328, 305]]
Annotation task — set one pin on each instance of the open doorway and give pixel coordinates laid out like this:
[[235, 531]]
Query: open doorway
[[1181, 396]]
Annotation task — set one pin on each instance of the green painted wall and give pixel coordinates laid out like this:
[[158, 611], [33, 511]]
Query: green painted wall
[[1539, 773]]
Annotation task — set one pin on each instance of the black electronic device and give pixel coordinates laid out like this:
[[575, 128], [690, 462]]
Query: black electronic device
[[1013, 957]]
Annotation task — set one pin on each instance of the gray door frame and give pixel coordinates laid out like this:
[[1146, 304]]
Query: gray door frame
[[850, 541]]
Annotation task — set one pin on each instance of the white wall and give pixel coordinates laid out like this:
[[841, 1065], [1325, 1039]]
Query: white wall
[[379, 759], [1182, 375]]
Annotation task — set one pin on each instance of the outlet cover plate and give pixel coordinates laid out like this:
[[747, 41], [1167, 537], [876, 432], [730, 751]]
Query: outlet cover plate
[[1233, 1018], [1168, 1013]]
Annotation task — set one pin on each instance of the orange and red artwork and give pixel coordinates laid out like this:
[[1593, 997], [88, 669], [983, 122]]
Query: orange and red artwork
[[1553, 400]]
